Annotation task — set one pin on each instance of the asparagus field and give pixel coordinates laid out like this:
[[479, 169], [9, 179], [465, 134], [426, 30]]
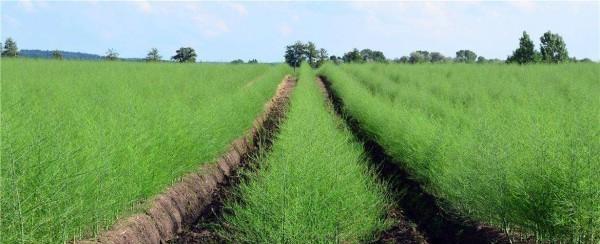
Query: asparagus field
[[84, 143], [514, 146], [316, 186]]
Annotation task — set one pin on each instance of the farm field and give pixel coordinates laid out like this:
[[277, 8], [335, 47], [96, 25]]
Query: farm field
[[514, 146], [84, 143], [314, 185]]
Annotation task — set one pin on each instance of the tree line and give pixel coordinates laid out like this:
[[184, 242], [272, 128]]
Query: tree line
[[552, 50]]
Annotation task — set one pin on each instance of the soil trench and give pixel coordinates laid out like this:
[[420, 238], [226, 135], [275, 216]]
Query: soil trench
[[173, 215], [438, 224]]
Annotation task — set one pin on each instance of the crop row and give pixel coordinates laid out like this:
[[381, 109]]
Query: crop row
[[84, 143], [515, 146]]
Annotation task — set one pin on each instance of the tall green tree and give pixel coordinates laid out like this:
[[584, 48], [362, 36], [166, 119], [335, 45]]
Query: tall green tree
[[418, 57], [10, 48], [466, 56], [353, 56], [295, 54], [335, 59], [111, 55], [525, 53], [437, 57], [56, 54], [253, 61], [311, 54], [153, 55], [322, 57], [185, 55], [481, 60], [553, 48], [369, 55]]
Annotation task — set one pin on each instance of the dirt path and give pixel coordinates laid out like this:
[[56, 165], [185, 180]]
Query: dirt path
[[437, 224], [199, 195]]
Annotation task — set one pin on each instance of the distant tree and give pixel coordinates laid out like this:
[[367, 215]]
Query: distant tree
[[525, 53], [437, 57], [418, 57], [153, 55], [465, 56], [295, 54], [252, 61], [185, 55], [321, 57], [56, 54], [553, 48], [481, 60], [586, 60], [353, 56], [237, 61], [111, 55], [335, 59], [10, 48], [369, 55], [311, 54]]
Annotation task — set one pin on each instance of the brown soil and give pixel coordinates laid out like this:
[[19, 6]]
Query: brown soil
[[199, 195], [438, 222], [402, 230]]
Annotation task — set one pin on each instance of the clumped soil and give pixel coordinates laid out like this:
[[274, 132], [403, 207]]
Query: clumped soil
[[174, 215], [204, 230], [437, 222]]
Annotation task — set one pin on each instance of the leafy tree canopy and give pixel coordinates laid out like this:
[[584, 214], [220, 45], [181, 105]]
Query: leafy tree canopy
[[111, 55], [153, 55], [10, 48], [185, 55], [553, 48], [465, 56]]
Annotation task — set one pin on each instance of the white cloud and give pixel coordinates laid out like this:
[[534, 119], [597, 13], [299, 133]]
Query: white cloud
[[10, 21], [27, 5], [239, 8], [524, 5], [285, 30], [210, 25], [144, 6]]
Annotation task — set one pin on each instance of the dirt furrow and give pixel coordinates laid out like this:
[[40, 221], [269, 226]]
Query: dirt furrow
[[438, 224], [198, 196]]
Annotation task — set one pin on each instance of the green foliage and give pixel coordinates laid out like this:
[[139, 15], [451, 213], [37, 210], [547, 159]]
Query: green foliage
[[553, 48], [237, 61], [369, 55], [437, 57], [465, 56], [418, 57], [153, 55], [314, 187], [402, 60], [84, 143], [322, 57], [185, 55], [514, 146], [481, 60], [353, 56], [253, 61], [525, 53], [311, 54], [295, 54], [111, 55], [56, 54], [10, 48]]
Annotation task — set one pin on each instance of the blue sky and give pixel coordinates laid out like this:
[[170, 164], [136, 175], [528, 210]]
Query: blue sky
[[223, 31]]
